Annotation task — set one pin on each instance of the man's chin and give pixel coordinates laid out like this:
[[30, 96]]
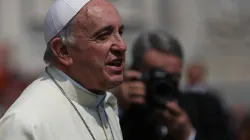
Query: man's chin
[[115, 80], [112, 79]]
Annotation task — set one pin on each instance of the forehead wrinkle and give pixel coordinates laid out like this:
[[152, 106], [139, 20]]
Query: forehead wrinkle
[[99, 8], [92, 14], [88, 14], [82, 20]]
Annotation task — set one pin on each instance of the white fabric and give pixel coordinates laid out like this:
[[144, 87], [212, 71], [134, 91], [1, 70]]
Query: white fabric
[[164, 132], [192, 135], [58, 16], [200, 88], [100, 97], [43, 113]]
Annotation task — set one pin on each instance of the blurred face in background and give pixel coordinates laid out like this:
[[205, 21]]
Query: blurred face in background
[[195, 74], [155, 58], [134, 91]]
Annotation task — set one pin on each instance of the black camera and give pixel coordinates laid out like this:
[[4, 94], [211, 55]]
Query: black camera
[[161, 87]]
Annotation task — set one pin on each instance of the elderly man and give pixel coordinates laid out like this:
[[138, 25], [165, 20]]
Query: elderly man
[[196, 78], [86, 57]]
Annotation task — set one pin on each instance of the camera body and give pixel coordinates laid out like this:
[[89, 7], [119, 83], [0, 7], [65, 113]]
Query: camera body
[[161, 87]]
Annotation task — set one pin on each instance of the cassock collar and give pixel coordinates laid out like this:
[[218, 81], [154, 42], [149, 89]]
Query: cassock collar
[[79, 94]]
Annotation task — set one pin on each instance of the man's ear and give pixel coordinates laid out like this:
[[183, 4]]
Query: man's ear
[[61, 52]]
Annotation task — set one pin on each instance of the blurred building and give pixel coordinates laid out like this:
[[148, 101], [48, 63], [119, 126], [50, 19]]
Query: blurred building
[[217, 30]]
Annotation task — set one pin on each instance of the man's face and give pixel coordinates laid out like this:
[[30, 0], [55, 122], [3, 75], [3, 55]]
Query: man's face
[[99, 52], [195, 73], [154, 58]]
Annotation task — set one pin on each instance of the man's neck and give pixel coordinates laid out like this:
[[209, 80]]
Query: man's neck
[[97, 92], [66, 72]]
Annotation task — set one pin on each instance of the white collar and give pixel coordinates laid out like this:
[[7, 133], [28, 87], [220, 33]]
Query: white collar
[[68, 78], [78, 93]]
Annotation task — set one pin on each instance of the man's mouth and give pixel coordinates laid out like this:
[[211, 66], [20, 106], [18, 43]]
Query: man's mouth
[[115, 63]]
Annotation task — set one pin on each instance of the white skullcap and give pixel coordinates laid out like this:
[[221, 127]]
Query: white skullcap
[[59, 14]]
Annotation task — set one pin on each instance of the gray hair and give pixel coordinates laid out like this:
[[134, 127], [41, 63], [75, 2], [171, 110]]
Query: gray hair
[[67, 37], [156, 39]]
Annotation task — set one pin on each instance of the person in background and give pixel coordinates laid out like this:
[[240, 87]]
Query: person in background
[[190, 117], [196, 78], [11, 85], [197, 83], [85, 56], [244, 128], [150, 50], [239, 112], [5, 76]]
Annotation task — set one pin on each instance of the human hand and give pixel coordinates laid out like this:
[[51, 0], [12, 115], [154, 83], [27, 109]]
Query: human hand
[[132, 90], [176, 120]]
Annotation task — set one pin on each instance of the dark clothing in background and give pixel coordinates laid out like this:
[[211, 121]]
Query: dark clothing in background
[[205, 111]]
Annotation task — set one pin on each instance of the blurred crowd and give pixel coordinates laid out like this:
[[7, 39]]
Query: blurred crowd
[[158, 107], [11, 82], [201, 108]]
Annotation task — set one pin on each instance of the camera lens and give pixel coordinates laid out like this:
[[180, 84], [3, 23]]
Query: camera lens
[[162, 88]]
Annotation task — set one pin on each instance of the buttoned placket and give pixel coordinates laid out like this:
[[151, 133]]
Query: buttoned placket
[[104, 120]]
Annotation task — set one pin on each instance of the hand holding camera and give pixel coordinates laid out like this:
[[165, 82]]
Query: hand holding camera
[[176, 120], [132, 89], [159, 91]]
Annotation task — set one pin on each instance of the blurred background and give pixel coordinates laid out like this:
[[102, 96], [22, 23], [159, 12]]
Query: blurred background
[[216, 32]]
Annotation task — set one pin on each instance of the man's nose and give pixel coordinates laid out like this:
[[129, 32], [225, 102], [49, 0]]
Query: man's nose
[[119, 45]]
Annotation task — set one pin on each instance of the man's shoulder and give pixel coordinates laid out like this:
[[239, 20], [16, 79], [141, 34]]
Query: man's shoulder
[[39, 98], [38, 91], [41, 84]]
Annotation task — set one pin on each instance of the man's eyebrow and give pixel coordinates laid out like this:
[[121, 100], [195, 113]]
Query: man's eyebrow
[[109, 27], [106, 28]]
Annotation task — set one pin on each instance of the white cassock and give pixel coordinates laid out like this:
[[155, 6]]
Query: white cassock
[[43, 112]]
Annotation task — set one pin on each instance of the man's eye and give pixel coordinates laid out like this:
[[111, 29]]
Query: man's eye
[[121, 32], [103, 36]]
